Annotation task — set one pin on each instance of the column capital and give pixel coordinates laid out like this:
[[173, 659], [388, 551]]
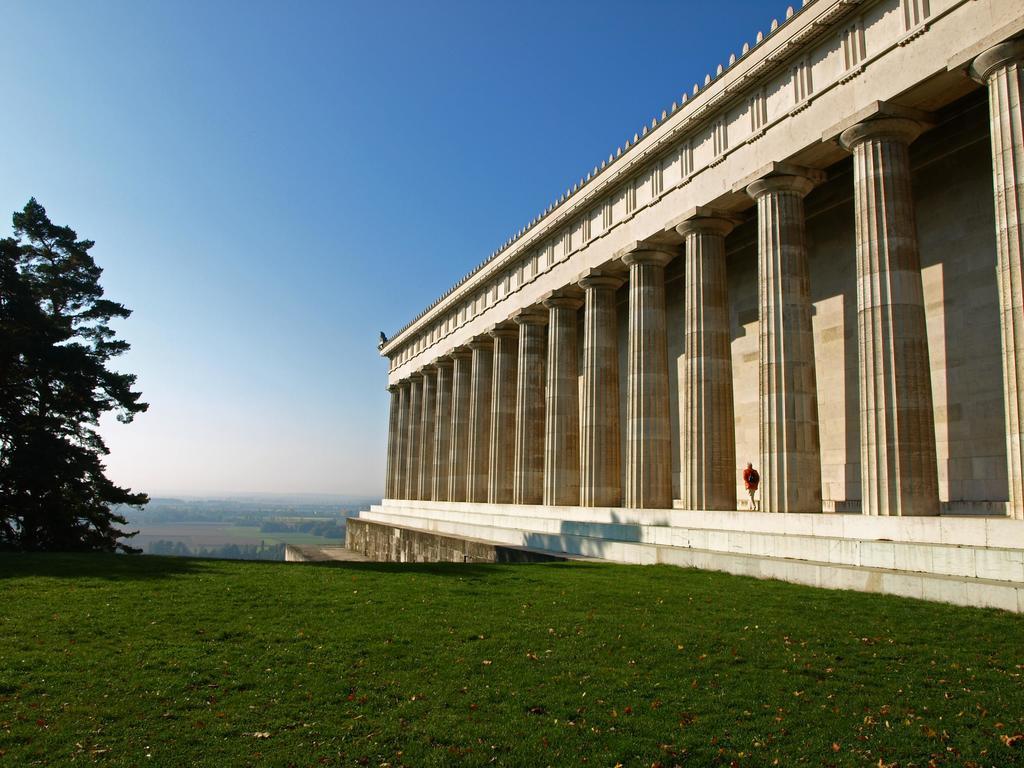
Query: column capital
[[899, 129], [392, 388], [783, 177], [779, 177], [1002, 55], [415, 375], [481, 342], [530, 316], [705, 220], [429, 368], [599, 278], [459, 352], [563, 298], [505, 330], [443, 362], [647, 253]]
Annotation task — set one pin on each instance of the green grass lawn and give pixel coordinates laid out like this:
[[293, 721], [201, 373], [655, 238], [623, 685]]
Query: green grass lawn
[[164, 661]]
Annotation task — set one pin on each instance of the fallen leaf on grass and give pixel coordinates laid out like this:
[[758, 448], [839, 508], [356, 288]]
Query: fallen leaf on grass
[[1016, 740], [261, 735]]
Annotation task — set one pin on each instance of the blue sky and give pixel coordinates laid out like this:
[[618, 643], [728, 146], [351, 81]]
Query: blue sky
[[271, 184]]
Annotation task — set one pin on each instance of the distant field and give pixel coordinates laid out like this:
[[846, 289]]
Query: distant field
[[218, 534], [153, 661]]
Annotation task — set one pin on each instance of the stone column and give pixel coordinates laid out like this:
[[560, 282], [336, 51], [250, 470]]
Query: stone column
[[442, 430], [503, 414], [600, 461], [458, 461], [648, 442], [790, 451], [393, 418], [709, 428], [898, 466], [1001, 69], [528, 478], [479, 419], [427, 403], [412, 462], [562, 399], [401, 447]]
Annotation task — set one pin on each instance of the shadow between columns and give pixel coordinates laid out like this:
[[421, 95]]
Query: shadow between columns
[[832, 250], [741, 270], [951, 169]]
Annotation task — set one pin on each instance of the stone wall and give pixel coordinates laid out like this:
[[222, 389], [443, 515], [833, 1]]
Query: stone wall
[[395, 544]]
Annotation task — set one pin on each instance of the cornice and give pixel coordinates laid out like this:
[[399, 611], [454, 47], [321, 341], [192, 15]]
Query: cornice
[[754, 65]]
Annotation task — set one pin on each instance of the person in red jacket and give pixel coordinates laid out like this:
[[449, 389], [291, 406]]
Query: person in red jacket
[[751, 479]]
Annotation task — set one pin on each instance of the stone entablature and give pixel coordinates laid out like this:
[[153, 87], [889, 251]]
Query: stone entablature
[[616, 319], [813, 54]]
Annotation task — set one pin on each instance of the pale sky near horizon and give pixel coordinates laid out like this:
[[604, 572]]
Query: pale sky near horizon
[[271, 184]]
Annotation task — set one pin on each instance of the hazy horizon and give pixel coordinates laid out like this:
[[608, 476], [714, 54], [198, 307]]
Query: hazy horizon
[[312, 497]]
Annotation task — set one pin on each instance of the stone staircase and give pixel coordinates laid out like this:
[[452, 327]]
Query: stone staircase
[[963, 560]]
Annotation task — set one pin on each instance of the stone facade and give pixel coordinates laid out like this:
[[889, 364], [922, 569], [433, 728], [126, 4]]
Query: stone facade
[[813, 262]]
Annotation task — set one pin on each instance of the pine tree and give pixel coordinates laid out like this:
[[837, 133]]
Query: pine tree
[[55, 348]]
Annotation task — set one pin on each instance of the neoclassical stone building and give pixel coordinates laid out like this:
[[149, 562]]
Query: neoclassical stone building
[[812, 261]]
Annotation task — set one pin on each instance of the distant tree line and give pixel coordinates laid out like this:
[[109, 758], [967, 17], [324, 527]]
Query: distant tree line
[[329, 529], [259, 551], [231, 511]]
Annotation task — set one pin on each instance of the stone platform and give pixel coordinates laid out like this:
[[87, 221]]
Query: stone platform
[[976, 561], [304, 553], [389, 543]]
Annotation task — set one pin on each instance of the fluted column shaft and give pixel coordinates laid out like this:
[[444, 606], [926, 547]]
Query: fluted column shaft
[[427, 403], [393, 419], [442, 430], [709, 429], [530, 382], [648, 440], [401, 446], [412, 462], [789, 442], [562, 422], [503, 415], [458, 461], [1001, 69], [898, 461], [477, 474], [600, 460]]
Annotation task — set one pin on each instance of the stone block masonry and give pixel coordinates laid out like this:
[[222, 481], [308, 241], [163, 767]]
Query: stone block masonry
[[397, 544]]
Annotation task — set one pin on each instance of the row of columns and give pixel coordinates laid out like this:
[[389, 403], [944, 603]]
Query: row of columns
[[515, 431]]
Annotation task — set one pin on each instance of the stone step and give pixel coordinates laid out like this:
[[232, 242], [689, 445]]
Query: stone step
[[975, 530], [957, 590], [994, 563]]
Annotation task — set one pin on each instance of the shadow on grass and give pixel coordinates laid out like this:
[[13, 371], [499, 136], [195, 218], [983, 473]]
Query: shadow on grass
[[96, 565]]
